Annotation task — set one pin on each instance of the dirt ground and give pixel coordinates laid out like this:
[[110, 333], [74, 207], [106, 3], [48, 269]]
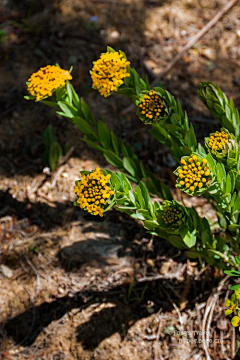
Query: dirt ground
[[74, 286]]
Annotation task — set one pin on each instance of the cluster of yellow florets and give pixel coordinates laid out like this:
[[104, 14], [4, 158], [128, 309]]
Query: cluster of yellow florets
[[92, 192], [151, 106], [108, 71], [193, 174], [49, 78], [218, 140], [170, 215]]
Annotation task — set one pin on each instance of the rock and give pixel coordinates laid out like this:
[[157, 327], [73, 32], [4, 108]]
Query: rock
[[209, 53], [6, 271], [150, 262], [222, 324], [113, 37]]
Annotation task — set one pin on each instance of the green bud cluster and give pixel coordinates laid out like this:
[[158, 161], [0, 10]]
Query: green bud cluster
[[219, 105], [151, 107], [223, 146]]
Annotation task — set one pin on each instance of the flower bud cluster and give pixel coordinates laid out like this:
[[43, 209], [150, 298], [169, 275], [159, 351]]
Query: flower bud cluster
[[193, 176], [150, 107], [170, 215], [218, 140], [93, 191]]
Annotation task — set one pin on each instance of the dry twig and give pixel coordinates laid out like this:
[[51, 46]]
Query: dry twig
[[176, 275]]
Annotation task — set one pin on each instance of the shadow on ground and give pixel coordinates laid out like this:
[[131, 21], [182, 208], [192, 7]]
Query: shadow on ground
[[25, 328]]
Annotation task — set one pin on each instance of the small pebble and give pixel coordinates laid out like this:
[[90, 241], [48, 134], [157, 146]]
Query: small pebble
[[6, 271], [222, 324]]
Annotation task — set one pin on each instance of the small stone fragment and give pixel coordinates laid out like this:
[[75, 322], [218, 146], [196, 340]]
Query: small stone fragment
[[6, 271]]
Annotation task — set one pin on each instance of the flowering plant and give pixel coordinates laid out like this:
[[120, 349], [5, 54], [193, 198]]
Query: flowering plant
[[233, 302], [212, 170]]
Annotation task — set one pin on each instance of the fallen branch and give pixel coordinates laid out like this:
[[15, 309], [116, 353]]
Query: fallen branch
[[189, 44]]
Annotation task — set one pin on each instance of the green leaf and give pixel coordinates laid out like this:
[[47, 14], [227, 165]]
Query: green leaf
[[233, 227], [236, 206], [232, 272], [235, 287], [221, 175], [140, 196], [68, 110], [132, 196], [211, 162], [93, 145], [60, 93], [85, 110], [84, 126], [222, 220], [189, 238], [143, 214], [191, 138], [145, 193], [175, 119], [49, 103], [150, 224], [114, 143], [126, 184], [48, 136], [124, 149], [104, 135], [193, 254], [75, 97], [130, 166], [177, 242], [219, 110], [55, 153], [143, 171], [113, 159], [69, 91], [110, 49], [205, 237], [172, 128], [230, 183]]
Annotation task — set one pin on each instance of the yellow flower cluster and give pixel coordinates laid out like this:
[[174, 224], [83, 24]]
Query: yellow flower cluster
[[170, 215], [218, 140], [194, 173], [108, 71], [92, 192], [236, 320], [49, 78], [151, 106], [231, 304]]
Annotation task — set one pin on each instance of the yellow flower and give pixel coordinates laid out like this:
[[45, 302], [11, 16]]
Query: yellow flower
[[92, 192], [231, 304], [151, 107], [46, 80], [237, 293], [193, 174], [218, 140], [108, 71], [236, 320]]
